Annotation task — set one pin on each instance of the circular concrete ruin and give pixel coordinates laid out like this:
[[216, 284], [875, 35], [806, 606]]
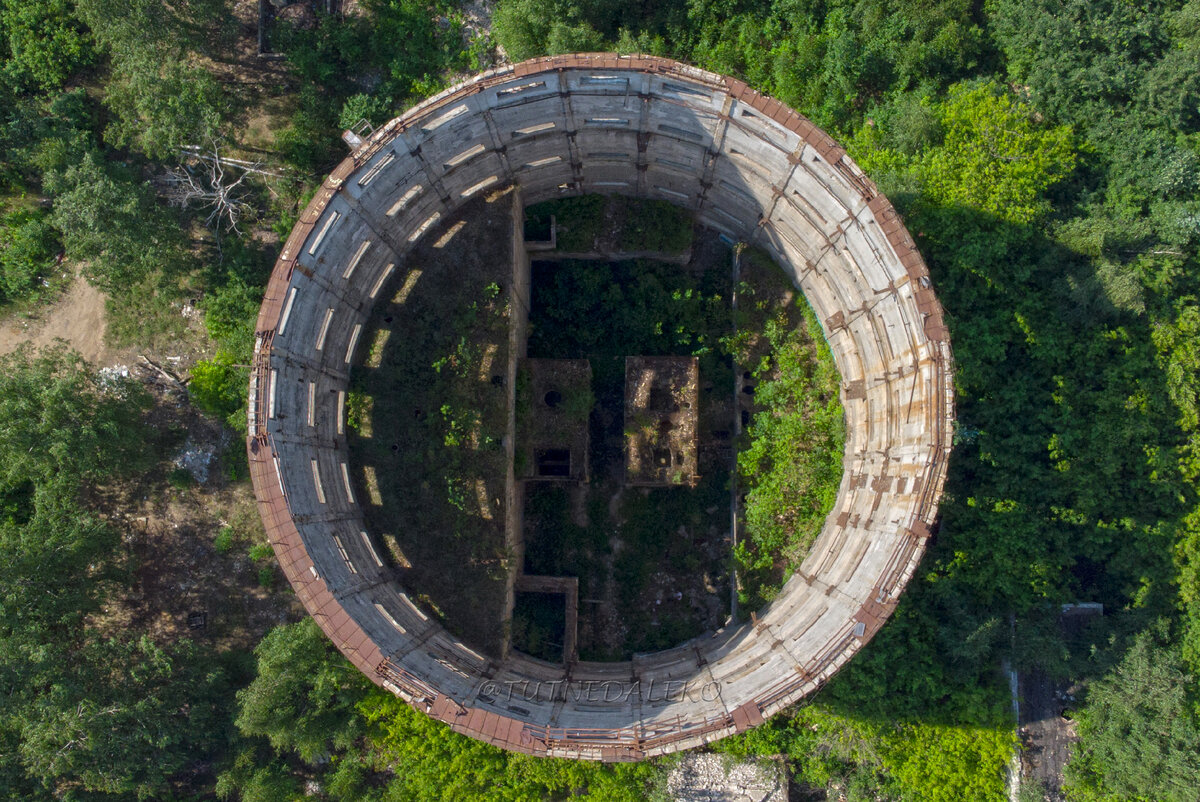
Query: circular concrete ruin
[[747, 166]]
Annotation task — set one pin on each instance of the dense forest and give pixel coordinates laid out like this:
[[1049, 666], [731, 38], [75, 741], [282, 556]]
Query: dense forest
[[1046, 156]]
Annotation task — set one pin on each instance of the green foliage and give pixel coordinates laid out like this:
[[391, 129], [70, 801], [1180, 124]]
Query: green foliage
[[160, 99], [303, 695], [28, 244], [224, 540], [827, 748], [114, 224], [980, 148], [994, 156], [218, 386], [652, 225], [98, 715], [435, 763], [579, 220], [59, 421], [161, 106], [1139, 737], [793, 463], [262, 551], [399, 48], [125, 719], [46, 42]]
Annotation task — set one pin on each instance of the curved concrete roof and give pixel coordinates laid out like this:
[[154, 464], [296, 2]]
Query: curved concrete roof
[[748, 166]]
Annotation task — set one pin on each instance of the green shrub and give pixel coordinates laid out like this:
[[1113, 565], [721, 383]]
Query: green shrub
[[180, 478], [260, 552], [28, 244], [224, 540], [218, 386]]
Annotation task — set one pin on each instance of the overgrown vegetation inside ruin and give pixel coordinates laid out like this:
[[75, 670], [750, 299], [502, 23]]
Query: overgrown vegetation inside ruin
[[427, 417], [654, 562], [428, 414]]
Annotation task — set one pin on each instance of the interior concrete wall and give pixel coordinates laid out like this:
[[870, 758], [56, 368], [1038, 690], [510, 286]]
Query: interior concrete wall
[[749, 167]]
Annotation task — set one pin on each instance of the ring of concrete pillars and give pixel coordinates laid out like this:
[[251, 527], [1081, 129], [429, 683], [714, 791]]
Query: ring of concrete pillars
[[747, 166]]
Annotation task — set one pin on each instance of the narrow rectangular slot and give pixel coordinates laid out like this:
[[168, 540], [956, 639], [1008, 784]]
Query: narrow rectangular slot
[[604, 80], [404, 200], [607, 121], [312, 403], [544, 162], [374, 172], [346, 481], [353, 342], [324, 328], [683, 89], [287, 311], [742, 194], [725, 214], [466, 155], [611, 155], [271, 393], [341, 412], [429, 221], [442, 119], [279, 476], [673, 163], [516, 90], [325, 229], [337, 541], [388, 617], [683, 133], [416, 610], [610, 183], [379, 282], [484, 184], [356, 258], [316, 472], [534, 129], [366, 539], [672, 193]]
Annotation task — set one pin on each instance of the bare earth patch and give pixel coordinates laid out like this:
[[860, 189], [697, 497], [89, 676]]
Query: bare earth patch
[[77, 317]]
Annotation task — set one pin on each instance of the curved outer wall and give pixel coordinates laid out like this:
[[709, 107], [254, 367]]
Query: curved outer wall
[[748, 166]]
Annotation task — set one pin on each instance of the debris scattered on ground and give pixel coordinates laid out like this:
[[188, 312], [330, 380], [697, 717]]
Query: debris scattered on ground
[[716, 778], [196, 457]]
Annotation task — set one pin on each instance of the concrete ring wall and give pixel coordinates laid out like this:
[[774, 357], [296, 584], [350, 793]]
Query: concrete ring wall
[[747, 166]]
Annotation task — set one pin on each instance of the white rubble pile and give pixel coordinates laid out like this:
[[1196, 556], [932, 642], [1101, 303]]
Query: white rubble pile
[[714, 778], [196, 459]]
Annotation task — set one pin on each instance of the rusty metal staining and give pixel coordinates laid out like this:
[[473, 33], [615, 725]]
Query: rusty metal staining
[[747, 166]]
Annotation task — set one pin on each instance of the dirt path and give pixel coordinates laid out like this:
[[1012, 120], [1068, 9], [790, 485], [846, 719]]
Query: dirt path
[[78, 317]]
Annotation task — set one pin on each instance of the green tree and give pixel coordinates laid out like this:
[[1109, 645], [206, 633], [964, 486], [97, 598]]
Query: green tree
[[47, 44], [115, 225], [161, 106], [28, 244], [125, 718], [60, 421], [995, 157], [1138, 735], [303, 696]]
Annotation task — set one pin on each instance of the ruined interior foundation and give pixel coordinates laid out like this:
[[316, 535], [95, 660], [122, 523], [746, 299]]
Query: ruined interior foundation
[[748, 167]]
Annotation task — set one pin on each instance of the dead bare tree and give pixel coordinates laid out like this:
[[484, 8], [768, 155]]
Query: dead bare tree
[[207, 179]]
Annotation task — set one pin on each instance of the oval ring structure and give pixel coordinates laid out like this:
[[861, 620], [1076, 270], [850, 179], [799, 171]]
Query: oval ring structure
[[745, 165]]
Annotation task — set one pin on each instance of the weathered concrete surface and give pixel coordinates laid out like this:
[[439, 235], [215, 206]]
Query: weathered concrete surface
[[748, 166]]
